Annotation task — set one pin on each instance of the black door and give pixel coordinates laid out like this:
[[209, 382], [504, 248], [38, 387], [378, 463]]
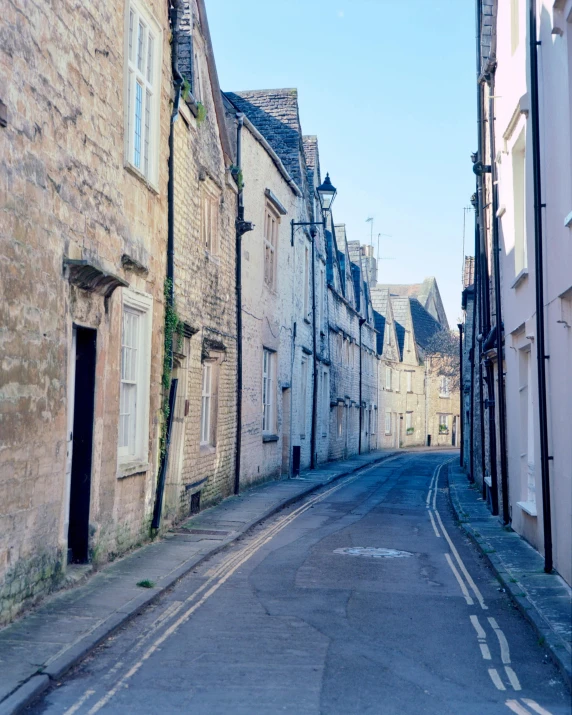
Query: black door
[[80, 487]]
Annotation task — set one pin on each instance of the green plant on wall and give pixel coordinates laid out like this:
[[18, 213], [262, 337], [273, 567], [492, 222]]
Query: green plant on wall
[[185, 89], [201, 112], [237, 176], [410, 430], [173, 326]]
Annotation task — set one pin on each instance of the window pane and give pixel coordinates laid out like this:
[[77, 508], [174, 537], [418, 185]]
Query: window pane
[[147, 133], [137, 125], [131, 22], [150, 46], [140, 45]]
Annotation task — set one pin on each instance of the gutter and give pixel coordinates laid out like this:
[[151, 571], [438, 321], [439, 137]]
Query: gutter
[[541, 355]]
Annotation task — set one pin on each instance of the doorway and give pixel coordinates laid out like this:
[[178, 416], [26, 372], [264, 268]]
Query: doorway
[[82, 401], [454, 435], [286, 400]]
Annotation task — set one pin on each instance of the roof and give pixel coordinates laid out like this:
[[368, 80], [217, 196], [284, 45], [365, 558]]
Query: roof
[[274, 112], [427, 293], [469, 271], [424, 324], [379, 300]]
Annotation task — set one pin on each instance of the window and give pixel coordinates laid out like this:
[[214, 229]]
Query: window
[[210, 202], [209, 400], [142, 90], [347, 351], [306, 281], [206, 404], [340, 419], [519, 206], [397, 376], [198, 91], [387, 377], [388, 423], [326, 403], [135, 372], [409, 422], [443, 424], [444, 386], [409, 381], [271, 224], [303, 394], [268, 392], [321, 305]]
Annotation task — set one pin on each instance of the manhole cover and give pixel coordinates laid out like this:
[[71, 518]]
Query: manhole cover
[[373, 552]]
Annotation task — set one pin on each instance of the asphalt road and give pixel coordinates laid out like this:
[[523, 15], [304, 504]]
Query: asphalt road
[[364, 598]]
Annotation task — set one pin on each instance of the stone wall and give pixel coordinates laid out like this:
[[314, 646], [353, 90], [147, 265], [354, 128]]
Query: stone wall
[[65, 193]]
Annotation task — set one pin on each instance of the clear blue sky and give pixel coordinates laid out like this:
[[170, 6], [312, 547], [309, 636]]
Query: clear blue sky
[[389, 88]]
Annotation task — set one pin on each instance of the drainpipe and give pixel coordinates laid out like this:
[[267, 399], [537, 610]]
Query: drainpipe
[[498, 312], [462, 396], [313, 457], [361, 322], [177, 84], [238, 279], [541, 355]]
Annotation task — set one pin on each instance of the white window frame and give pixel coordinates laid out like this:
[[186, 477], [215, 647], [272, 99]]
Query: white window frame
[[268, 391], [340, 419], [306, 282], [397, 381], [209, 400], [388, 378], [408, 421], [388, 422], [140, 304], [409, 381], [210, 208], [443, 422], [142, 156], [271, 228], [444, 386], [326, 402]]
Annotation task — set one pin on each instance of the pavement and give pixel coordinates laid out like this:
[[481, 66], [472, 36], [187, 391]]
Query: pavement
[[40, 647], [544, 599], [364, 598]]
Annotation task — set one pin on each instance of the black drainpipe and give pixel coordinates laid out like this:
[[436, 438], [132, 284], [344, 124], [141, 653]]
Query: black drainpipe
[[541, 356], [462, 395], [177, 84], [313, 460], [361, 322], [498, 312], [238, 279]]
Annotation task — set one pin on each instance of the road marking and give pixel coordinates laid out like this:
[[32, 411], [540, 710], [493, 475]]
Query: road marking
[[437, 534], [477, 626], [516, 707], [485, 652], [460, 581], [505, 652], [514, 681], [536, 707], [427, 502], [80, 702], [459, 560], [495, 677], [231, 565]]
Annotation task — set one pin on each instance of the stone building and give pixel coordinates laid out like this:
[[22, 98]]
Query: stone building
[[523, 347], [419, 394], [352, 347], [83, 252], [202, 446]]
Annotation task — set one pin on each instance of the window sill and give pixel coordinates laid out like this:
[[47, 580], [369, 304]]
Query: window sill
[[270, 438], [528, 506], [567, 224], [130, 169], [519, 278], [212, 258], [128, 469], [444, 397], [207, 449]]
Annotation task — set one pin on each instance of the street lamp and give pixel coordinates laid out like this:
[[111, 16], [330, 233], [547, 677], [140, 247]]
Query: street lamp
[[326, 193]]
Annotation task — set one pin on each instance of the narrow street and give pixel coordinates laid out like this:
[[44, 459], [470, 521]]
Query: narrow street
[[310, 614]]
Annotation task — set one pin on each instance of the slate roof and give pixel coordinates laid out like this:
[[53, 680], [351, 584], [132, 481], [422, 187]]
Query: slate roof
[[274, 112], [424, 324], [423, 292], [400, 307], [379, 300]]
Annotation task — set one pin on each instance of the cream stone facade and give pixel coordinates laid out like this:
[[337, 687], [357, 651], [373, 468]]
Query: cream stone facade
[[523, 216], [83, 242], [419, 392]]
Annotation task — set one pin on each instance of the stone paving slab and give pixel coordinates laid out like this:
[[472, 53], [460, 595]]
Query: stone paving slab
[[43, 644], [545, 599]]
